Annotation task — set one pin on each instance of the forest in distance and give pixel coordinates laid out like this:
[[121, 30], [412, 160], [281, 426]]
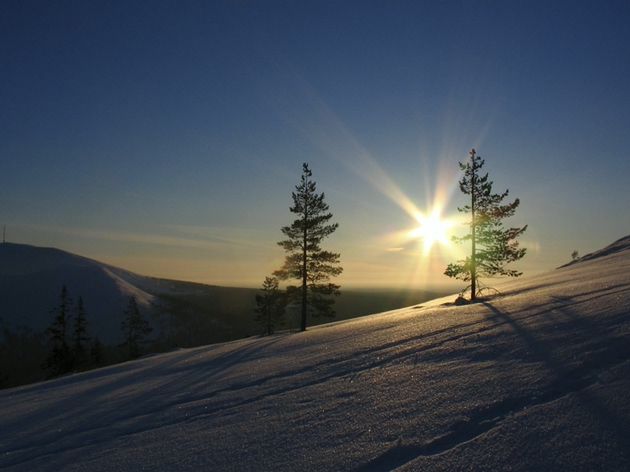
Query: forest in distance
[[213, 314]]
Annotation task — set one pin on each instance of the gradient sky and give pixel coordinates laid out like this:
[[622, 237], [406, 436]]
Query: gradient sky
[[166, 137]]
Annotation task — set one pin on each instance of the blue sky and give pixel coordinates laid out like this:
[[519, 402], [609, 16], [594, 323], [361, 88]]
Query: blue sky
[[166, 137]]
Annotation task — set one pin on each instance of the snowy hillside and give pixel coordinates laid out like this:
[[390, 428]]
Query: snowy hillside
[[537, 378], [27, 270], [201, 313]]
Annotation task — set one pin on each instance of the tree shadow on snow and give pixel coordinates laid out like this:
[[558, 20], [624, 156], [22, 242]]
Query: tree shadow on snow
[[593, 349]]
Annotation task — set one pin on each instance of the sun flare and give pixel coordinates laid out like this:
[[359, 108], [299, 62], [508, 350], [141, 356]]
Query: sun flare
[[433, 229]]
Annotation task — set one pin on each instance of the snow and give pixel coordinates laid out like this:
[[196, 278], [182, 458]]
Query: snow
[[143, 298], [619, 245], [536, 378], [26, 270]]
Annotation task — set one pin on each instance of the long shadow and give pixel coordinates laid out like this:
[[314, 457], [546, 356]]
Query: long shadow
[[149, 404], [352, 367], [604, 353]]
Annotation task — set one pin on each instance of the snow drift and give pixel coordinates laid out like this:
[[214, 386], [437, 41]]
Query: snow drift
[[536, 378]]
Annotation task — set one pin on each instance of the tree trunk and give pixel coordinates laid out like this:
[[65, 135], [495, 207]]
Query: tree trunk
[[304, 300], [473, 255]]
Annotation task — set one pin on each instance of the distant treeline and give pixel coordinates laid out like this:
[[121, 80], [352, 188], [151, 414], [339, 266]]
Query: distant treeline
[[213, 315], [67, 345]]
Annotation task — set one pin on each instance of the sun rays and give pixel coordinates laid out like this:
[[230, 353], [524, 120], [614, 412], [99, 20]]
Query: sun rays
[[433, 229], [425, 247], [420, 249]]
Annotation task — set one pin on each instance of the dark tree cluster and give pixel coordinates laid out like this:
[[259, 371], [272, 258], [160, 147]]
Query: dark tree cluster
[[70, 347], [22, 353]]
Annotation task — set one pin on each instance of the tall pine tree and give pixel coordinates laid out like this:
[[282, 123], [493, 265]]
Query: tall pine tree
[[492, 246], [305, 259], [135, 328], [60, 359]]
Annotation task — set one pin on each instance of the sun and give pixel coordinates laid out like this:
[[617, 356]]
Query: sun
[[433, 229]]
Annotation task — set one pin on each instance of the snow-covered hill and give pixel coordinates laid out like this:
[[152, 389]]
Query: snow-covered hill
[[31, 279], [618, 246], [26, 271], [537, 378]]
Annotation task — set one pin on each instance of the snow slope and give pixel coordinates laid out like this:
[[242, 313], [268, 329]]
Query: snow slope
[[537, 378], [27, 270], [618, 246]]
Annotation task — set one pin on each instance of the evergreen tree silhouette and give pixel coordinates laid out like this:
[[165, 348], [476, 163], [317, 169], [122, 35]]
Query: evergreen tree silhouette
[[96, 352], [270, 305], [135, 328], [492, 246], [305, 259], [79, 335], [60, 359]]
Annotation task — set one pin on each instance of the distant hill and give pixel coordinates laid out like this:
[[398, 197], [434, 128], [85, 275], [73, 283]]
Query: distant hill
[[184, 313], [31, 279]]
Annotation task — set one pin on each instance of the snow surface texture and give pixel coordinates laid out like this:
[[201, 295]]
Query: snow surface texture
[[537, 378]]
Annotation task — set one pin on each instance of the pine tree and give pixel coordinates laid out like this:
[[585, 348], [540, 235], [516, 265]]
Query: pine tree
[[270, 305], [60, 358], [135, 328], [492, 246], [305, 259], [80, 337], [96, 352]]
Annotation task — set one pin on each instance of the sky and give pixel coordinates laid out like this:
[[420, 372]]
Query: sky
[[166, 137]]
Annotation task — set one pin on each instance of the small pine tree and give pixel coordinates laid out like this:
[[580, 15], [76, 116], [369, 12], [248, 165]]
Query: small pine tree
[[135, 328], [96, 352], [492, 246], [306, 260], [60, 359], [79, 336], [270, 305]]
